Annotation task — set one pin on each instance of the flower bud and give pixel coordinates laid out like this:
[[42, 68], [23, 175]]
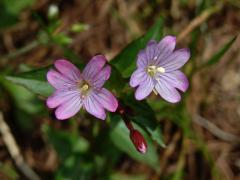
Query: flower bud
[[53, 11], [138, 141]]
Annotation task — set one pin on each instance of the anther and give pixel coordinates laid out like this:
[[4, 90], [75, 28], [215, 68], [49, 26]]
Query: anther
[[161, 69]]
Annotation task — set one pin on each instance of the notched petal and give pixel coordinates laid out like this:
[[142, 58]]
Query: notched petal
[[61, 96], [106, 99], [144, 89], [167, 92], [69, 108], [177, 79], [94, 66], [102, 77], [68, 69], [164, 49], [58, 80], [168, 42], [137, 77], [176, 60], [142, 60], [151, 52], [152, 42], [93, 107]]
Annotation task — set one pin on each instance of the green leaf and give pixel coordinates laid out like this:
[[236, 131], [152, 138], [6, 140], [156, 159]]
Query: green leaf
[[75, 162], [6, 17], [115, 83], [65, 143], [140, 107], [23, 98], [34, 80], [216, 57], [10, 9], [120, 137], [152, 127], [15, 6], [61, 39], [125, 61]]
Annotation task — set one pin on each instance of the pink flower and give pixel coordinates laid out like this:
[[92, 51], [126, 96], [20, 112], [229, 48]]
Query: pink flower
[[74, 90], [158, 70]]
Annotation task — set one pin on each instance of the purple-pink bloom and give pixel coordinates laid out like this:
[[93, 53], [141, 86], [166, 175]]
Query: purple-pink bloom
[[74, 90], [158, 70]]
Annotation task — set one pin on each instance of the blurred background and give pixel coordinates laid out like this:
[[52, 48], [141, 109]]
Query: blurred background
[[201, 135]]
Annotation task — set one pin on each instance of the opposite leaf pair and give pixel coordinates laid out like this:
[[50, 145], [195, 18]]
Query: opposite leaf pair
[[157, 70]]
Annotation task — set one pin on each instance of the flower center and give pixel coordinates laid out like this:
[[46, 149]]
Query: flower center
[[84, 88], [152, 70]]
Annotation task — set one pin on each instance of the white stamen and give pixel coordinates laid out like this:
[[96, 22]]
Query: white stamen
[[161, 69], [152, 70]]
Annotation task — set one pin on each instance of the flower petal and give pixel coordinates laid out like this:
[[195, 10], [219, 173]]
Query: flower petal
[[102, 77], [144, 89], [69, 108], [61, 96], [167, 92], [142, 60], [93, 67], [177, 79], [176, 60], [106, 99], [68, 69], [58, 80], [137, 77], [151, 51], [167, 44], [164, 49], [93, 107]]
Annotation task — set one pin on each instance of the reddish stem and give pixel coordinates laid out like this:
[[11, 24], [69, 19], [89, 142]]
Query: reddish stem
[[122, 111]]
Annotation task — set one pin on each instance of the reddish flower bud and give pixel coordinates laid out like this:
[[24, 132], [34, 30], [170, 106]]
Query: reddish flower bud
[[138, 141]]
